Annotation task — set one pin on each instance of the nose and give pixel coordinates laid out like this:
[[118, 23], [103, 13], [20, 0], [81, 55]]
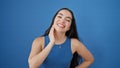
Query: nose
[[63, 20]]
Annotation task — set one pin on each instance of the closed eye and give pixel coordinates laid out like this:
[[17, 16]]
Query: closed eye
[[59, 16], [68, 20]]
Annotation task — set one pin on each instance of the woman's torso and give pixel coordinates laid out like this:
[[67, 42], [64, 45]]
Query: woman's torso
[[60, 55]]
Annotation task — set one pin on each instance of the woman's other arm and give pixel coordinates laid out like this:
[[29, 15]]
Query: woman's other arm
[[38, 53], [84, 52]]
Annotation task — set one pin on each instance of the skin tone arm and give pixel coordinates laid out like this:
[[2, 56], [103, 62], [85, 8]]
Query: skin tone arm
[[38, 54], [84, 52]]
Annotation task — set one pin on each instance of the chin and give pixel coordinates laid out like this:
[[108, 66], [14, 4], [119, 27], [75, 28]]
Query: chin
[[60, 30]]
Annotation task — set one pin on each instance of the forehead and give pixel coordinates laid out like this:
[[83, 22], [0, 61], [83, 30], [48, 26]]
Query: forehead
[[65, 13]]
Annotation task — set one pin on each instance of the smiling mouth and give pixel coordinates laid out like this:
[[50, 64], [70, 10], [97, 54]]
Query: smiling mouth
[[61, 25]]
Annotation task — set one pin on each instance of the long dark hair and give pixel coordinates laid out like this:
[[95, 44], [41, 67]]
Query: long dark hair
[[72, 33]]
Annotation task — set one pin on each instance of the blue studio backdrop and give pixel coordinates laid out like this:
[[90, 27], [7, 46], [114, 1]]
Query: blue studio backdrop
[[98, 26]]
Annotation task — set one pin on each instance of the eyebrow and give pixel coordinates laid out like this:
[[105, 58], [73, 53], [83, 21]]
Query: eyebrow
[[60, 14], [63, 15]]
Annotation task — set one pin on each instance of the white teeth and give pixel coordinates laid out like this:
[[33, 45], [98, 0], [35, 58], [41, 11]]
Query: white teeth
[[61, 26]]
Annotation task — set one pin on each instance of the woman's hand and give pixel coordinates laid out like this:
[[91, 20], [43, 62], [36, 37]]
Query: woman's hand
[[51, 35]]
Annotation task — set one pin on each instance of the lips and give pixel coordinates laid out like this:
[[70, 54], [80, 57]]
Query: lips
[[61, 25]]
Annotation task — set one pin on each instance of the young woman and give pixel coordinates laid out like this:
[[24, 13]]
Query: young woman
[[60, 47]]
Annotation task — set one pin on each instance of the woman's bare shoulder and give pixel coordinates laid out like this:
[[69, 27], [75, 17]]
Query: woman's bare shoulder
[[39, 41], [75, 43], [37, 46]]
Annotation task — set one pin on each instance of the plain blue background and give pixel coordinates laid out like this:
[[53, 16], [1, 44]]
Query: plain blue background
[[98, 25]]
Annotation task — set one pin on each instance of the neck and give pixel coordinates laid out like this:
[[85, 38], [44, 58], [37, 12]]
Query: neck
[[59, 37]]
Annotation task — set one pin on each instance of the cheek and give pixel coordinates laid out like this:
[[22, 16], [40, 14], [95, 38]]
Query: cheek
[[68, 25], [55, 21]]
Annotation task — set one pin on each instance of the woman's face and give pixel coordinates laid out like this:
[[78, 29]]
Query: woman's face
[[62, 21]]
